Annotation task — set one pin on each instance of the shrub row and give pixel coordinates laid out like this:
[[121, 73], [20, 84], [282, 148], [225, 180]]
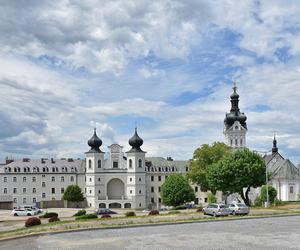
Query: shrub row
[[154, 212], [87, 216], [49, 215], [130, 214], [53, 219], [80, 212], [180, 207], [174, 212]]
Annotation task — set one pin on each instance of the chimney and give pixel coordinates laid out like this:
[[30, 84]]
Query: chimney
[[52, 160], [42, 160]]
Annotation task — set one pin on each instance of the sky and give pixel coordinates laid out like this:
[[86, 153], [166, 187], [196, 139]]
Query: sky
[[166, 66]]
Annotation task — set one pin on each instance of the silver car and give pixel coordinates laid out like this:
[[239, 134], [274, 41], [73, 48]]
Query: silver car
[[216, 209], [238, 208]]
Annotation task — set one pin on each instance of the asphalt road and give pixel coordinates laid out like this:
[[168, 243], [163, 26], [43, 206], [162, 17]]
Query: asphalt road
[[269, 233]]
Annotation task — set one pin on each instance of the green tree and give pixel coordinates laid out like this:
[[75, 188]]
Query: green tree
[[239, 170], [271, 191], [203, 158], [73, 193], [211, 198], [176, 191]]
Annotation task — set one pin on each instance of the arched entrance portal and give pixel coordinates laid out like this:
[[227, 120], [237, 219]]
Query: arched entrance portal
[[115, 189], [127, 205], [115, 205], [102, 205]]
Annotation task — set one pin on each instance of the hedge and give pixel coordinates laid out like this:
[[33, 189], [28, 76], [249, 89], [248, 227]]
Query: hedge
[[49, 215], [87, 216], [33, 221]]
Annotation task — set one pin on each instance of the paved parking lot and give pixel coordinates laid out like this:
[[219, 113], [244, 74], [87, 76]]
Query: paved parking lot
[[268, 233]]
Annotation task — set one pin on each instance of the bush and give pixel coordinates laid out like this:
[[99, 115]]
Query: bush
[[180, 207], [104, 216], [174, 212], [49, 215], [258, 202], [130, 214], [271, 191], [87, 216], [33, 221], [211, 198], [154, 212], [53, 219], [80, 212]]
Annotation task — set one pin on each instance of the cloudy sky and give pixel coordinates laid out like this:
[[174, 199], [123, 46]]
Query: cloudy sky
[[67, 66]]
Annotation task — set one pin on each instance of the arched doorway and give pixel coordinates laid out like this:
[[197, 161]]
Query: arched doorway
[[115, 189], [115, 205], [102, 205], [127, 205]]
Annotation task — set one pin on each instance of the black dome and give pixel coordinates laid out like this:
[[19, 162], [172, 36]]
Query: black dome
[[95, 142], [135, 142]]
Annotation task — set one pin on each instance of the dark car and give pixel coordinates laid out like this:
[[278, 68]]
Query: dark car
[[105, 211]]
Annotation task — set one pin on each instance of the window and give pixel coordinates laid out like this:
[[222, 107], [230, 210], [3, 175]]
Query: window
[[43, 195], [140, 179], [159, 200], [241, 142], [90, 179], [115, 164], [159, 178], [152, 200], [43, 175], [15, 200], [53, 179], [90, 191], [99, 179], [140, 163], [130, 191], [24, 179], [99, 163], [158, 189], [62, 179], [62, 190], [90, 163], [43, 184], [24, 200], [236, 142], [15, 190], [5, 179], [24, 190], [33, 179], [231, 142], [53, 190], [5, 190], [291, 189], [130, 179], [34, 200], [34, 190], [152, 189], [14, 179], [196, 189], [186, 169], [205, 199], [99, 191], [130, 163], [140, 191], [152, 178], [72, 178]]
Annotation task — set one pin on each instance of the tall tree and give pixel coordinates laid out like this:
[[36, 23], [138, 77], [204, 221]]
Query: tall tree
[[242, 169], [176, 190], [204, 157], [73, 193]]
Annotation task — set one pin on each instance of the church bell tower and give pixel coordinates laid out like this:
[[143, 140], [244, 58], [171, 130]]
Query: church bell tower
[[235, 126]]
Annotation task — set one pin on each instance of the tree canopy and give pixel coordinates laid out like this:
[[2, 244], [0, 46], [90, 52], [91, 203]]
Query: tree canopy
[[176, 190], [241, 169], [204, 157], [73, 193]]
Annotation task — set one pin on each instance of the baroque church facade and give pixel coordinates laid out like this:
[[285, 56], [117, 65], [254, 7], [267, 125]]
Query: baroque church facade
[[117, 179]]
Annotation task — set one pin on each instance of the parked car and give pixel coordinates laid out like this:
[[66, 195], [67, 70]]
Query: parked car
[[238, 208], [38, 210], [216, 209], [105, 211], [23, 212]]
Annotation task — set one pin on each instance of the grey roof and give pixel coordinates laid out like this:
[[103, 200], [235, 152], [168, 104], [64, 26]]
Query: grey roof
[[77, 164], [157, 162], [284, 169]]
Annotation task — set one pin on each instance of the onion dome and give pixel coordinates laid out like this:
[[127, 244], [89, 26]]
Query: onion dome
[[95, 142], [274, 149], [135, 142], [235, 114]]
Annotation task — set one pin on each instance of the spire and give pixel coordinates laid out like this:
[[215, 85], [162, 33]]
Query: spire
[[274, 149], [235, 100]]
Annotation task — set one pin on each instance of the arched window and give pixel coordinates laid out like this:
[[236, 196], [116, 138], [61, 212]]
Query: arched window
[[159, 169], [90, 163], [99, 163], [140, 163], [130, 163]]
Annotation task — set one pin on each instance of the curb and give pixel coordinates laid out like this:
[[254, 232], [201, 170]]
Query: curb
[[149, 225]]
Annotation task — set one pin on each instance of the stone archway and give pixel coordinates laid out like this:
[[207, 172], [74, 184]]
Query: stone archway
[[115, 205], [115, 189], [127, 205]]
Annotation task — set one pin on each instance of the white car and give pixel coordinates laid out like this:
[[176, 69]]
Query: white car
[[23, 212]]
